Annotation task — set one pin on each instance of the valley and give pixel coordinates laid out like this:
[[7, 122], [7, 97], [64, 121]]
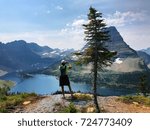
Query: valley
[[20, 59]]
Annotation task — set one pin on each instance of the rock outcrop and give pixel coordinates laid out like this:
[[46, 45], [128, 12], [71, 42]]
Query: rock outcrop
[[127, 59]]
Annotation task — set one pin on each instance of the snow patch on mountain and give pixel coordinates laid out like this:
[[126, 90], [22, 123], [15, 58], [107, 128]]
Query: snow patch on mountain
[[118, 61], [45, 54]]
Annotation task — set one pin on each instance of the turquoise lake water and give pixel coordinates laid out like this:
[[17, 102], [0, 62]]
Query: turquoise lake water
[[45, 85]]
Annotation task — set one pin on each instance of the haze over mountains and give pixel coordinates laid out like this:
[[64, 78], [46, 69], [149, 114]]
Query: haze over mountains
[[127, 59], [145, 57], [146, 50], [20, 55], [127, 68]]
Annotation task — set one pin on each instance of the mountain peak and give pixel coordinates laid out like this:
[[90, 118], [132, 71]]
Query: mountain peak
[[19, 41], [115, 35]]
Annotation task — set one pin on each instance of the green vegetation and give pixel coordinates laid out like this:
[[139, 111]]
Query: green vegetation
[[138, 99], [5, 87], [71, 108], [96, 52], [9, 102], [60, 108], [80, 96], [143, 85], [4, 83], [109, 78], [3, 91]]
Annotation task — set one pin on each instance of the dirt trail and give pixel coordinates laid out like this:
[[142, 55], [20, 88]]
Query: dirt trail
[[50, 104]]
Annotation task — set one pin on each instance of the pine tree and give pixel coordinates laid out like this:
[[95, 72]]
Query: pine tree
[[143, 85], [96, 53]]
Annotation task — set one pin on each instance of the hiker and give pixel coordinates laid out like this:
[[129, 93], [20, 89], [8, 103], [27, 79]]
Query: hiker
[[64, 79]]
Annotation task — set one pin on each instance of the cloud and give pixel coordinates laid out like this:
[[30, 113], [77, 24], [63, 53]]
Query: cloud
[[78, 23], [137, 34], [124, 18], [63, 39], [71, 36], [59, 7]]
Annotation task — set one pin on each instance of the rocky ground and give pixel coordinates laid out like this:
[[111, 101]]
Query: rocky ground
[[53, 103]]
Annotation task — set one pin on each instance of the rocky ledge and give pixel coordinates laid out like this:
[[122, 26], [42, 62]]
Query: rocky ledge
[[55, 104]]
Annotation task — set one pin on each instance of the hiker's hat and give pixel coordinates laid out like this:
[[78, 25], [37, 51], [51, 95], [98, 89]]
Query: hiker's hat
[[63, 62]]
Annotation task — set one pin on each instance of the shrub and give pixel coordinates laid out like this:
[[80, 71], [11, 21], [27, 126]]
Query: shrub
[[80, 96], [69, 109], [140, 99]]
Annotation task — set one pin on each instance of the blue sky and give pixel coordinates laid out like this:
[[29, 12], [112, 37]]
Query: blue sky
[[57, 23]]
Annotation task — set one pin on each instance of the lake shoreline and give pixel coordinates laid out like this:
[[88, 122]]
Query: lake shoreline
[[46, 85]]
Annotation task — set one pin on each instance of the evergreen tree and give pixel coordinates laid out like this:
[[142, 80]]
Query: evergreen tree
[[143, 85], [96, 53]]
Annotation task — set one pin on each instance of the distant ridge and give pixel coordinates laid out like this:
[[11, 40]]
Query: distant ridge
[[19, 56]]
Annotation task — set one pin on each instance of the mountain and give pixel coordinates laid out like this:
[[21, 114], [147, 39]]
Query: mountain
[[145, 57], [20, 55], [57, 53], [117, 43], [126, 69], [17, 55], [127, 65], [47, 52], [146, 50], [39, 49], [127, 59]]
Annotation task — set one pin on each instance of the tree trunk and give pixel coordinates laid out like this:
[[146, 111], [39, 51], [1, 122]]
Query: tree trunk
[[95, 83]]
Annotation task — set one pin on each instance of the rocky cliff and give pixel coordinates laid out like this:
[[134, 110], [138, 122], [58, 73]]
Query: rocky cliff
[[127, 59]]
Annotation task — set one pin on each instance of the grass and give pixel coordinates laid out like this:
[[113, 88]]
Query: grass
[[9, 102], [139, 99], [71, 108], [3, 91], [81, 96]]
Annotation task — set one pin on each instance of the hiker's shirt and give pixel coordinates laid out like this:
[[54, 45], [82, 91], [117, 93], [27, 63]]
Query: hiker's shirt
[[63, 79], [64, 69]]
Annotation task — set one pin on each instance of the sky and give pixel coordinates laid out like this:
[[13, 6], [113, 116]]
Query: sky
[[58, 23]]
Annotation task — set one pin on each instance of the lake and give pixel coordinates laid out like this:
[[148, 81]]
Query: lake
[[45, 85]]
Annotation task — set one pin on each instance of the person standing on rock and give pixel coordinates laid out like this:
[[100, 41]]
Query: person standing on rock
[[64, 79]]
